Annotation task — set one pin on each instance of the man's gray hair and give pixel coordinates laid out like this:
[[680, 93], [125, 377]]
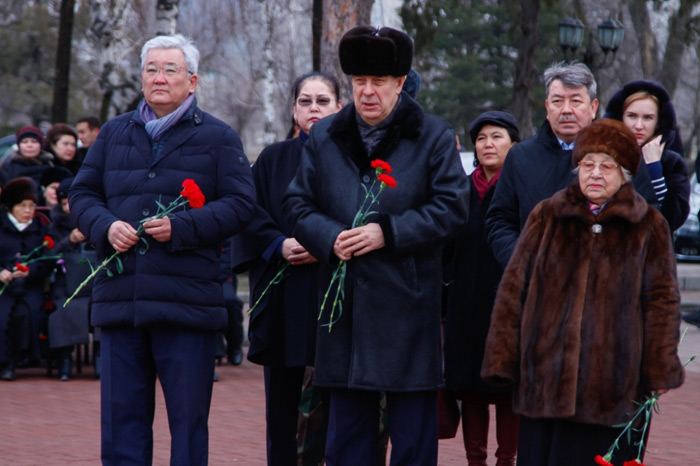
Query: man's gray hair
[[174, 41], [571, 75]]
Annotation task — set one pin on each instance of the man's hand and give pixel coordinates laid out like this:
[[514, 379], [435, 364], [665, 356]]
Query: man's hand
[[76, 236], [160, 229], [295, 253], [121, 236], [5, 276], [358, 241]]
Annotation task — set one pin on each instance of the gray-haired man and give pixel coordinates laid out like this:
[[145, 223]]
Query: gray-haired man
[[541, 165]]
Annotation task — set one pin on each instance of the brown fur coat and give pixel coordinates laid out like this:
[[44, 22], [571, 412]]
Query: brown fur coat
[[584, 322]]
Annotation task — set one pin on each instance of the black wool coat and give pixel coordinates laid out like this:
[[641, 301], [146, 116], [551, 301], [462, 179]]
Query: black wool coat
[[13, 244], [282, 329], [471, 276], [388, 336]]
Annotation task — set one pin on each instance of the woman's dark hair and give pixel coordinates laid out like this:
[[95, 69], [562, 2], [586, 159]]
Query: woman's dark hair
[[58, 130], [329, 79]]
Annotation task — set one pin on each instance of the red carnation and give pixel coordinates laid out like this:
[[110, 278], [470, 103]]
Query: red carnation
[[191, 191], [632, 463], [602, 461], [378, 163], [48, 242], [387, 180], [21, 267]]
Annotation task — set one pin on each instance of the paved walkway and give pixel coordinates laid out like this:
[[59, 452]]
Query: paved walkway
[[47, 422]]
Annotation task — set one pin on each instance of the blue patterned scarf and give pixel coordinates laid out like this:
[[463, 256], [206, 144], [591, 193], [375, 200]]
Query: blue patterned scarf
[[155, 126]]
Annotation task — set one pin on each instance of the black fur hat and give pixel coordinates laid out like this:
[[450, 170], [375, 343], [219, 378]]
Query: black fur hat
[[53, 175], [17, 190], [366, 50], [610, 137]]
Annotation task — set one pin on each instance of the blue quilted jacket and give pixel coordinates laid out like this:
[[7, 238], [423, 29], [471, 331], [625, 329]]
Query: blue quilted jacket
[[123, 177]]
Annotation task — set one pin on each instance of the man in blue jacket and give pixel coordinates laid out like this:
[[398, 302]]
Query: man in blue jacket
[[161, 308]]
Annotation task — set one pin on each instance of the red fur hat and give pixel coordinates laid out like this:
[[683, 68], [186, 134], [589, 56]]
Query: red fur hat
[[610, 137]]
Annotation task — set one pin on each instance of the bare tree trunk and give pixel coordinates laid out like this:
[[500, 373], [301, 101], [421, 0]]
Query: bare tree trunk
[[119, 80], [316, 32], [270, 76], [166, 17], [679, 36], [525, 74], [648, 46], [59, 109], [339, 16]]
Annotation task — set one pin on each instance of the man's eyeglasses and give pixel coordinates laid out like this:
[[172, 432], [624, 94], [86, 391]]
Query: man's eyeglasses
[[605, 167], [170, 69]]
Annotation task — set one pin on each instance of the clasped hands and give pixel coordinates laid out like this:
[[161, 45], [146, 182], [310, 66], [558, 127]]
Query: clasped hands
[[358, 241], [7, 276], [122, 236]]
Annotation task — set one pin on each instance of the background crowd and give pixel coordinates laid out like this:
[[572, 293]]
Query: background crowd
[[497, 245]]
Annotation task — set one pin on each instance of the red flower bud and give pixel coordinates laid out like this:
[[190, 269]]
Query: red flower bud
[[191, 191], [48, 242], [602, 461], [21, 267], [385, 167], [387, 180]]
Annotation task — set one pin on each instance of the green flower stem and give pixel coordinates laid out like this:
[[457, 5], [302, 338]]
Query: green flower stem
[[338, 276], [275, 280], [178, 202], [91, 276]]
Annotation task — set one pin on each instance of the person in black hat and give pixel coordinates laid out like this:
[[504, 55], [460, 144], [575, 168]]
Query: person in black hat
[[29, 159], [472, 276], [50, 180], [646, 109], [21, 302], [388, 336]]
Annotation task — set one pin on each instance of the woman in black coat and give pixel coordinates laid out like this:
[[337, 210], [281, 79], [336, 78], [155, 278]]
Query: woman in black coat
[[472, 274], [29, 159], [21, 302], [282, 326], [645, 108]]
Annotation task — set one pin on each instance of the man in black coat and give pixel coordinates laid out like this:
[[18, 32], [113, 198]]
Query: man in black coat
[[541, 165], [388, 336]]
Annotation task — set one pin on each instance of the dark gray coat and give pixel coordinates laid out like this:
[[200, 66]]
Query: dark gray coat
[[388, 337]]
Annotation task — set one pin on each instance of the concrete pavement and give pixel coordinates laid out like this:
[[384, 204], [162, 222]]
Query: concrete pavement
[[44, 421]]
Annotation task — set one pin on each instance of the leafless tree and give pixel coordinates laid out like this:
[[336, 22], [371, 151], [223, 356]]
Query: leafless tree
[[166, 16], [59, 109], [339, 16]]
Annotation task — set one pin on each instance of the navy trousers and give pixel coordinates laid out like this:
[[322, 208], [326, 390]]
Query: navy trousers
[[183, 361], [282, 394], [353, 428]]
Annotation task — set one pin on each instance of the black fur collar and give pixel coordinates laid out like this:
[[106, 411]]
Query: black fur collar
[[407, 124]]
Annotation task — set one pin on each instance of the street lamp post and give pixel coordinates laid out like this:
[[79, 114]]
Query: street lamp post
[[611, 33]]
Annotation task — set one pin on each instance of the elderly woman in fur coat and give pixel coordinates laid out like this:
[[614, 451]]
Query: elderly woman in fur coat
[[586, 319]]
